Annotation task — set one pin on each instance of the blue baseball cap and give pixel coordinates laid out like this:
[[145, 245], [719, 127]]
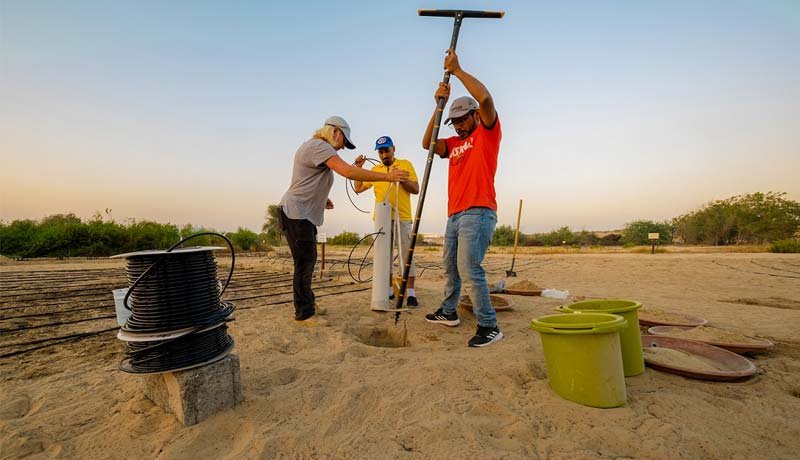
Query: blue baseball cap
[[383, 142]]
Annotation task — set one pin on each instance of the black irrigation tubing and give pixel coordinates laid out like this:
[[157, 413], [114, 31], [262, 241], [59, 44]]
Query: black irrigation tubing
[[268, 282], [59, 337], [779, 269], [262, 280], [68, 270], [79, 336], [273, 294], [98, 307], [350, 185], [55, 341], [259, 275], [260, 305], [68, 290], [83, 277], [56, 294], [258, 288], [273, 283], [102, 280], [752, 272], [12, 286], [58, 312], [66, 282], [28, 288], [51, 304], [60, 323], [59, 273]]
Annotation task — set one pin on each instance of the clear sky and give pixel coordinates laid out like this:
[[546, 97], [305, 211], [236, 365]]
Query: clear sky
[[191, 111]]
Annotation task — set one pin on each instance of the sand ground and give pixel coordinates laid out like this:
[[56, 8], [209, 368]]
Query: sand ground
[[355, 385]]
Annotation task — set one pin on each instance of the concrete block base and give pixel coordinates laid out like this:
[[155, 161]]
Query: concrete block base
[[195, 394]]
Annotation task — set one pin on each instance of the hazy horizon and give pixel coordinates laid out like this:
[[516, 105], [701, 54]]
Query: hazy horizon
[[611, 111]]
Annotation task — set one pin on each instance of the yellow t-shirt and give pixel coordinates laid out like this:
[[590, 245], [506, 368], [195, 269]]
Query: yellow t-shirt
[[381, 188]]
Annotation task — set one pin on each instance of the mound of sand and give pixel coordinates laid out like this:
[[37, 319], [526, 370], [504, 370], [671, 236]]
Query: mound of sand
[[523, 285], [679, 358], [713, 335]]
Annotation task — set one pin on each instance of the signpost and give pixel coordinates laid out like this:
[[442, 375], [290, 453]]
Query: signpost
[[653, 237]]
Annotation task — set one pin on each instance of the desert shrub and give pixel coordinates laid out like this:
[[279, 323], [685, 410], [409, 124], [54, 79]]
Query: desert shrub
[[612, 239], [756, 218], [636, 232], [503, 236], [785, 246], [345, 239]]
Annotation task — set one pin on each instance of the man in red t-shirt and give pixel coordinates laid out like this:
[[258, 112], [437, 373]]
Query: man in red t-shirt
[[471, 202]]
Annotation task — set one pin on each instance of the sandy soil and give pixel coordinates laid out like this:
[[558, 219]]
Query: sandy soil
[[354, 385]]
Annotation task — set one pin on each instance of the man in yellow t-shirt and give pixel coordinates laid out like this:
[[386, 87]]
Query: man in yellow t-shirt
[[400, 202]]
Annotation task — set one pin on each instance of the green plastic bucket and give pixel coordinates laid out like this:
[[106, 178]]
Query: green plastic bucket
[[630, 338], [584, 361]]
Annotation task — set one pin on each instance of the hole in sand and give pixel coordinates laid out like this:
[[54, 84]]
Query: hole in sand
[[381, 336]]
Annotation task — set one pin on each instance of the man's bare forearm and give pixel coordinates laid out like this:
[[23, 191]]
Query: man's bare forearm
[[426, 138], [475, 88], [410, 187]]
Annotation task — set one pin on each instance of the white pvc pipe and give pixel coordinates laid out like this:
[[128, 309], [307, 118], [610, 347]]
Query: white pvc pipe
[[381, 256]]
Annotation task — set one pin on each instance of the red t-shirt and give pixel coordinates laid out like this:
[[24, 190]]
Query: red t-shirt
[[473, 163]]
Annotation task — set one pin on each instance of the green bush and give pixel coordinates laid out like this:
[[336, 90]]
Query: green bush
[[503, 236], [345, 239], [558, 237], [244, 239], [629, 245], [755, 218], [66, 235], [785, 246], [636, 232]]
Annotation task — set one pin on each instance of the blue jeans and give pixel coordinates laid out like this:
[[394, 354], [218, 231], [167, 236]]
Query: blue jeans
[[466, 240]]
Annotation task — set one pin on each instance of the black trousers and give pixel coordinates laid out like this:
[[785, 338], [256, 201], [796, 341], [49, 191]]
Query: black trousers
[[302, 237]]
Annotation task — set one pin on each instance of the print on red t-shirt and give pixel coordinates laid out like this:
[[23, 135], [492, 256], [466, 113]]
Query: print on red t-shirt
[[473, 164]]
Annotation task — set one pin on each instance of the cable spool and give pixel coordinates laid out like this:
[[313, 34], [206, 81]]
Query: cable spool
[[178, 319]]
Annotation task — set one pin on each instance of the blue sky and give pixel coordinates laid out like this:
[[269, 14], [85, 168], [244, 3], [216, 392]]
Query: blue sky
[[192, 111]]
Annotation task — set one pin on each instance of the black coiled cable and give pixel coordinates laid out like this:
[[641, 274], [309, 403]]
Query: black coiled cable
[[180, 291], [185, 351], [171, 291], [349, 185]]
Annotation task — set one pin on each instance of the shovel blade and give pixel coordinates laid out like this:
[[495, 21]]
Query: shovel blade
[[511, 273]]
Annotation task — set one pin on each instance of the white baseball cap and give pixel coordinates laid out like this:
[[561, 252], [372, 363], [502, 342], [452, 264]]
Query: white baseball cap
[[339, 122]]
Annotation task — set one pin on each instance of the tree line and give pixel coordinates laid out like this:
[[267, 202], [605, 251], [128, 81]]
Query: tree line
[[757, 218], [66, 235]]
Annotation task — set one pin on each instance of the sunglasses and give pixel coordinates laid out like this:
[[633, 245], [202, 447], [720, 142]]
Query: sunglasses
[[384, 150]]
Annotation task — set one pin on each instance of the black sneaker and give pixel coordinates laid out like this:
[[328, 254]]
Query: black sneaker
[[391, 296], [412, 302], [485, 335], [440, 317]]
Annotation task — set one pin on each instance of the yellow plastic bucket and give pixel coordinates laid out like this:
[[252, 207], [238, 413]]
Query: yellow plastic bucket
[[630, 338], [583, 356]]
